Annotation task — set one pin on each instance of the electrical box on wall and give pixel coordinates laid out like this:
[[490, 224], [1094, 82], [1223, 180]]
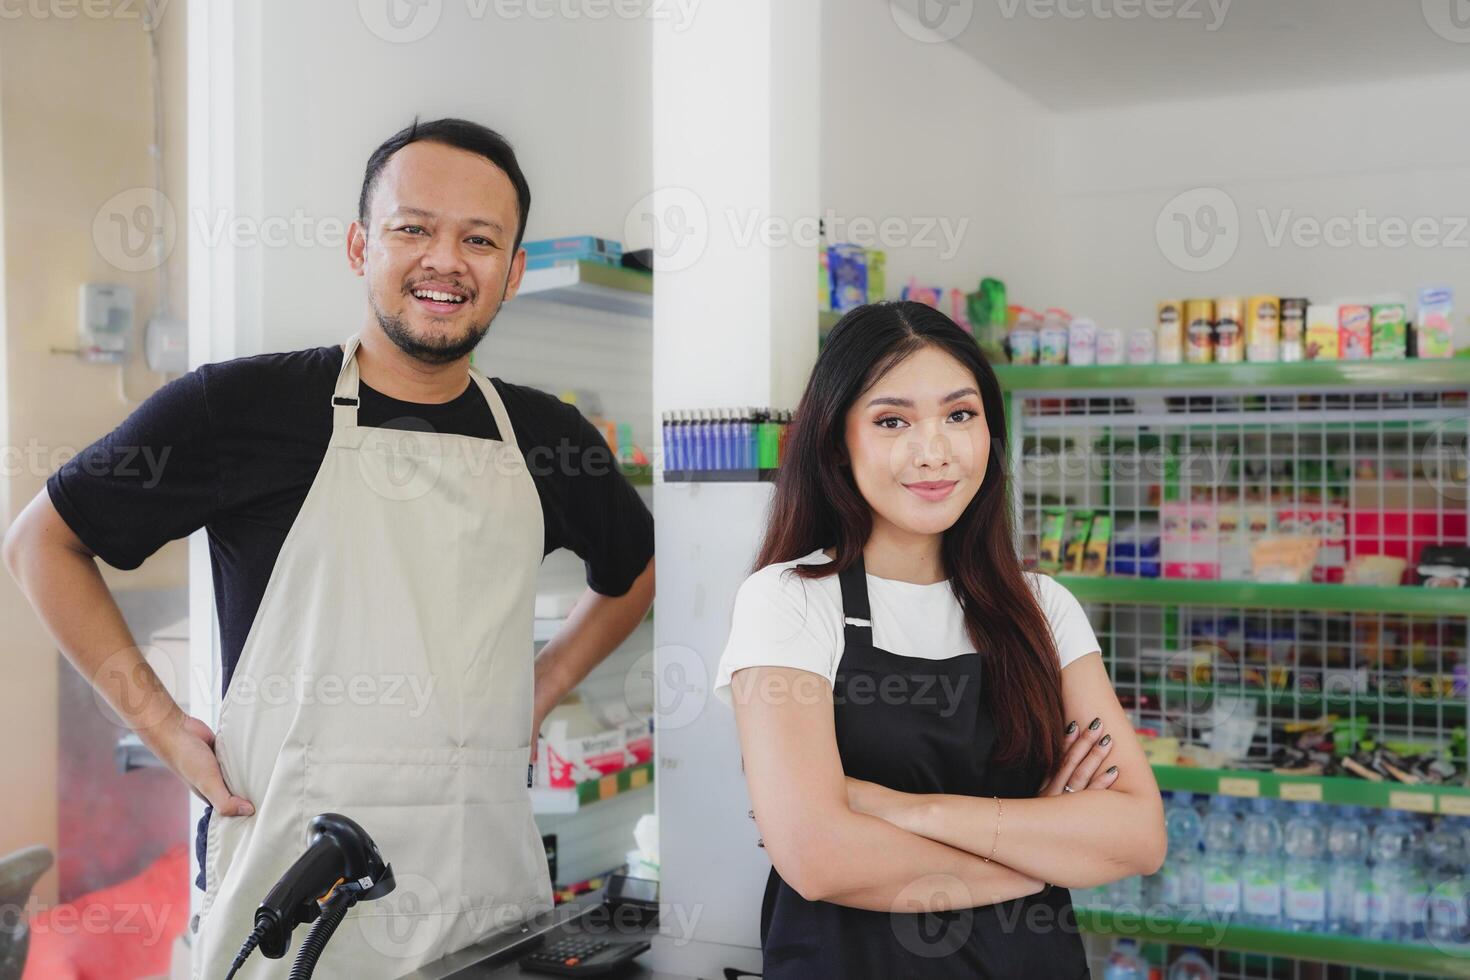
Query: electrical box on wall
[[105, 322]]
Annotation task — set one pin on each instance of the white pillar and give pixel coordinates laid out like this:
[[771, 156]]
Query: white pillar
[[733, 222]]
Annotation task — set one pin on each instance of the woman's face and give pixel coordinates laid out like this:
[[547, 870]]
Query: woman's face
[[918, 442]]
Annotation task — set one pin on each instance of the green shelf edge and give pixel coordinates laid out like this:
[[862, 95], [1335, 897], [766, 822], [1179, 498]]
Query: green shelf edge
[[590, 790], [615, 277], [1278, 698], [1420, 958], [1269, 595], [1249, 783], [1412, 372]]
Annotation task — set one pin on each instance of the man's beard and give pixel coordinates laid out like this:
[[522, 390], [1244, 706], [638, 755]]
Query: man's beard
[[439, 350]]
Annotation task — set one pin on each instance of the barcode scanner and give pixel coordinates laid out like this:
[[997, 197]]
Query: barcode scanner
[[340, 867]]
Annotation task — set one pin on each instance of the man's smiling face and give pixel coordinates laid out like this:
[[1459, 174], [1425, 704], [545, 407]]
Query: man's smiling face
[[437, 251]]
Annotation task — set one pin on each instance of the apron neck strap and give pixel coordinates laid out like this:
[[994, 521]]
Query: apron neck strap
[[857, 615], [345, 395]]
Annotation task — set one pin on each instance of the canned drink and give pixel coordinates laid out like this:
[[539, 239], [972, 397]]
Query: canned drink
[[1263, 328], [1229, 330], [1199, 330], [1293, 328], [1170, 332]]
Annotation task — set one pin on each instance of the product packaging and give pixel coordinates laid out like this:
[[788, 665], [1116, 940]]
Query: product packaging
[[1170, 332], [1229, 330], [1053, 538], [1433, 329], [1199, 331], [1082, 341], [1390, 331], [1322, 332], [1263, 328], [1293, 328], [1141, 345], [1110, 345], [1355, 338], [1095, 553], [1078, 524], [576, 747], [849, 266], [877, 274]]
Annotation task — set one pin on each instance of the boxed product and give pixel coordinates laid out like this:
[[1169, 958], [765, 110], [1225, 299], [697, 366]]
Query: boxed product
[[1170, 332], [576, 747], [1235, 538], [1053, 537], [1284, 558], [1322, 332], [547, 252], [1355, 331], [848, 265], [1095, 552], [877, 274], [1136, 551], [1327, 527], [1444, 567], [1433, 329], [1390, 331], [1190, 543], [1078, 524]]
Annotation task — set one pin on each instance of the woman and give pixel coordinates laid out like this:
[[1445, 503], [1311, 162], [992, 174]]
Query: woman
[[909, 699]]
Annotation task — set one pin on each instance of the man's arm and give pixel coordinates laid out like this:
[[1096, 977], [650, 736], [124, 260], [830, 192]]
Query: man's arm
[[59, 576], [595, 627]]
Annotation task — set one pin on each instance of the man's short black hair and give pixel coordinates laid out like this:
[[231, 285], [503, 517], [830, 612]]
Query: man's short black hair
[[459, 133]]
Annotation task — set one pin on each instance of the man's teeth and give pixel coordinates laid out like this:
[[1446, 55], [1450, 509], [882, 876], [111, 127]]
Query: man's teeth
[[437, 296]]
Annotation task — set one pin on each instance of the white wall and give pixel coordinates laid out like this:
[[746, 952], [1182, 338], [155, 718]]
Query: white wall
[[1392, 149], [918, 130], [571, 95]]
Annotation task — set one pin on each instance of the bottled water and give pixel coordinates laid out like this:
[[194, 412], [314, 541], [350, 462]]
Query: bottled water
[[1179, 885], [1191, 966], [1261, 888], [1347, 893], [1126, 894], [1387, 879], [1124, 963], [1220, 865], [1444, 855], [1304, 842]]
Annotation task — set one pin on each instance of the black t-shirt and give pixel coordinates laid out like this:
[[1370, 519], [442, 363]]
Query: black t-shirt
[[234, 447]]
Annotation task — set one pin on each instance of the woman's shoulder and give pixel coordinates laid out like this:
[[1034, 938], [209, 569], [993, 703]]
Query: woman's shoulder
[[779, 584]]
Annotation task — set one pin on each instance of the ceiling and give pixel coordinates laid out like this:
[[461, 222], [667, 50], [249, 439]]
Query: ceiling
[[1088, 59]]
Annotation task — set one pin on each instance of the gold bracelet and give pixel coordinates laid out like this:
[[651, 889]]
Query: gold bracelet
[[998, 812]]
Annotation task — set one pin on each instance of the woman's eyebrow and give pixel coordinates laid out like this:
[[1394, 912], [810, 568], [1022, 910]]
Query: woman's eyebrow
[[953, 396]]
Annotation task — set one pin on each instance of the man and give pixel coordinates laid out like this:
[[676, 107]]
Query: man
[[377, 513]]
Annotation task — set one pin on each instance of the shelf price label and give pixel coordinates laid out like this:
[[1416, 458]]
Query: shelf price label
[[1239, 786], [1301, 792], [1417, 802], [1455, 805]]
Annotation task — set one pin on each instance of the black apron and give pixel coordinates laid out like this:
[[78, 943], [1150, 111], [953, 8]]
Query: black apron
[[918, 726]]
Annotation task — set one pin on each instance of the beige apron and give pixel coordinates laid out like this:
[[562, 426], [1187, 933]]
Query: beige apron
[[388, 677]]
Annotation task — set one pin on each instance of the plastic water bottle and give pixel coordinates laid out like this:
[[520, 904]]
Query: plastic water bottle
[[1389, 850], [1413, 907], [1347, 894], [1304, 842], [1220, 865], [1124, 963], [1444, 854], [1179, 884], [1191, 966], [1261, 888]]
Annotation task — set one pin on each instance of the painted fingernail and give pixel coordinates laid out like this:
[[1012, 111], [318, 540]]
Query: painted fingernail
[[1072, 727], [1112, 770], [1105, 740], [1095, 722]]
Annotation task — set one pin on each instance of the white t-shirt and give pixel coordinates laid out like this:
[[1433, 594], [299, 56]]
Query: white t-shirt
[[782, 620]]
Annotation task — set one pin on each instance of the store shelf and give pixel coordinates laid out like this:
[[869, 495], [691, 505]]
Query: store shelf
[[564, 801], [1266, 595], [1410, 373], [1315, 789], [1205, 931], [639, 476], [592, 286], [1305, 703]]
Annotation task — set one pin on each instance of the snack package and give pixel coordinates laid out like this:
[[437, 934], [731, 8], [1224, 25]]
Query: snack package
[[1053, 537], [1390, 331], [1374, 570], [1355, 337], [849, 267], [1433, 328], [1322, 332], [1078, 524], [1095, 554], [1284, 558]]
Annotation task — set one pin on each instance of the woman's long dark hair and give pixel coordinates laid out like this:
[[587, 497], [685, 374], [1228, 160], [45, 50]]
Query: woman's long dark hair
[[817, 505]]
